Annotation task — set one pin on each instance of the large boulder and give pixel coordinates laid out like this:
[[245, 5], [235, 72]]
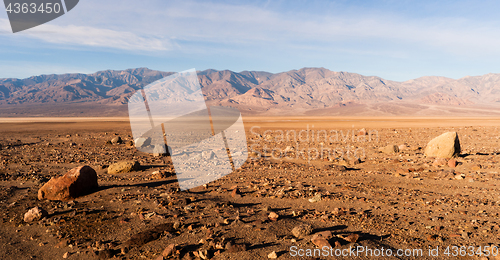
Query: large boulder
[[446, 145], [76, 182], [124, 166]]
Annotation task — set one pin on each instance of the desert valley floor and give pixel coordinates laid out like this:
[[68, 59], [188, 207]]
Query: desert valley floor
[[395, 201]]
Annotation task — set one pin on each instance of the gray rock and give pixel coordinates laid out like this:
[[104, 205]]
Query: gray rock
[[208, 155], [159, 150]]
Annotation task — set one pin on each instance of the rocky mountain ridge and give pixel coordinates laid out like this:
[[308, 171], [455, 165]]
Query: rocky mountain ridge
[[307, 91]]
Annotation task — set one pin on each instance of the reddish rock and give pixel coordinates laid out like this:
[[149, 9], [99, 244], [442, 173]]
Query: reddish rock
[[235, 192], [452, 163], [321, 242], [352, 238], [321, 239], [76, 182]]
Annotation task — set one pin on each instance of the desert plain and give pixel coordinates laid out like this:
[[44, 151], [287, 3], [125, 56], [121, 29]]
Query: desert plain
[[279, 202]]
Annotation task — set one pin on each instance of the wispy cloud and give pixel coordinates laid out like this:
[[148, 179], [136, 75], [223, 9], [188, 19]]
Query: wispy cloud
[[77, 35], [245, 24], [159, 26]]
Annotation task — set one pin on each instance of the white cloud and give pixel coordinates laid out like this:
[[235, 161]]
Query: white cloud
[[172, 25], [92, 36], [243, 25]]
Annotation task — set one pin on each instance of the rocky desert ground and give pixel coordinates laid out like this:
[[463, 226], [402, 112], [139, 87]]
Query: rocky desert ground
[[372, 193]]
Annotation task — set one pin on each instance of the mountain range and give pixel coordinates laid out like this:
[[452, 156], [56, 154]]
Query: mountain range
[[307, 91]]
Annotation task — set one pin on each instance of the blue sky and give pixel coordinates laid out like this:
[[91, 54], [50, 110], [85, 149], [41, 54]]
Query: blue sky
[[396, 40]]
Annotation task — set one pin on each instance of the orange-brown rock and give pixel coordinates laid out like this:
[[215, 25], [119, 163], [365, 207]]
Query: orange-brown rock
[[76, 182]]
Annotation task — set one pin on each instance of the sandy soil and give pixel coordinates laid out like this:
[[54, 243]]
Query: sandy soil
[[391, 201]]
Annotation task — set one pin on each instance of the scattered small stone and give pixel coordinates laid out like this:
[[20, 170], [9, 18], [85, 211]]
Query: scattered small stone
[[34, 214], [105, 254], [176, 225], [273, 216], [235, 192], [159, 150], [63, 243], [321, 239], [117, 140], [452, 163], [343, 162], [352, 238], [354, 161], [203, 254], [124, 250], [439, 162], [169, 250], [66, 255], [337, 167], [391, 148], [316, 198], [302, 230], [235, 248], [272, 255]]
